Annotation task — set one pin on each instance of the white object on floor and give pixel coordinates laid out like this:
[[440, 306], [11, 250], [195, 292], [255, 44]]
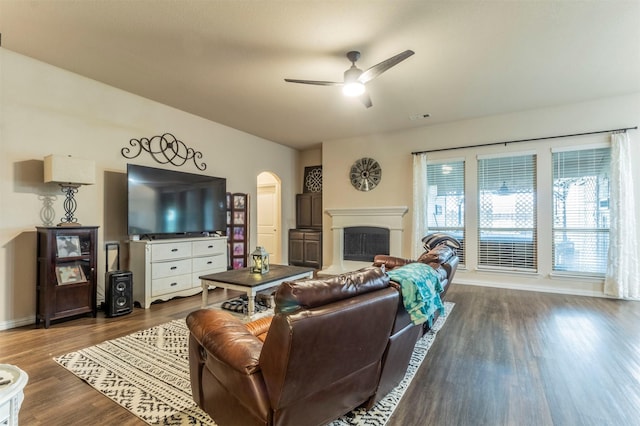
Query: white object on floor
[[12, 382]]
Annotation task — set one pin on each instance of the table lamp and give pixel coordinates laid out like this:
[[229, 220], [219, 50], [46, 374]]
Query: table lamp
[[70, 173]]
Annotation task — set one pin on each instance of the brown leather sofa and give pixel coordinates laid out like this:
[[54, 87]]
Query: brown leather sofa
[[404, 333], [320, 359]]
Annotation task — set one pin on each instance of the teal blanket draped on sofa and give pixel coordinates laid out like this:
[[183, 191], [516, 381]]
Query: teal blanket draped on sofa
[[420, 291]]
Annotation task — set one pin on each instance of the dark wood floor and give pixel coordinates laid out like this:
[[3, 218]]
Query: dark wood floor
[[504, 357]]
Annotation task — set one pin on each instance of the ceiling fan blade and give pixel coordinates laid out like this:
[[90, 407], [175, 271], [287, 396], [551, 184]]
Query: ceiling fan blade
[[366, 100], [378, 69], [317, 83]]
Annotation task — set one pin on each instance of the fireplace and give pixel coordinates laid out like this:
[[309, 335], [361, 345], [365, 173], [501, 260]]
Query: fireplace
[[387, 218], [362, 243]]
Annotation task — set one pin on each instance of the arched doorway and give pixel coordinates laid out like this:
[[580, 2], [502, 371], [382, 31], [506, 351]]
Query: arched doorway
[[268, 208]]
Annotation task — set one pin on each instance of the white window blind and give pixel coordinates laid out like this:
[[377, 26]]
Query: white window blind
[[581, 210], [445, 200], [507, 234]]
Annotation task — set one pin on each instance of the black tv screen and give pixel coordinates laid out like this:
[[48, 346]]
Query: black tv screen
[[164, 203]]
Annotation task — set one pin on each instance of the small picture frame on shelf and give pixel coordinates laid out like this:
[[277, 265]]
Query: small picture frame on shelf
[[68, 246], [228, 217], [70, 274], [238, 233], [238, 249], [238, 263], [238, 202], [238, 218], [228, 200]]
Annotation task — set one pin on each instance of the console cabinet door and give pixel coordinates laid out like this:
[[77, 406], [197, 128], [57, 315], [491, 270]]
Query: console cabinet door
[[296, 247], [309, 210], [305, 248]]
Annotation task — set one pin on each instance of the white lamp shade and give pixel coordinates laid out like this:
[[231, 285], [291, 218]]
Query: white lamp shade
[[64, 169]]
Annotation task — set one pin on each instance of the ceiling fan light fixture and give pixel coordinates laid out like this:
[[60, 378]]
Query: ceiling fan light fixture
[[355, 79], [353, 89]]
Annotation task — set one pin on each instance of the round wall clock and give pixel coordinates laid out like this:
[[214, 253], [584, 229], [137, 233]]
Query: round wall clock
[[365, 174]]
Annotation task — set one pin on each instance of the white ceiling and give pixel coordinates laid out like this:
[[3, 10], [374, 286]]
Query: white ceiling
[[226, 60]]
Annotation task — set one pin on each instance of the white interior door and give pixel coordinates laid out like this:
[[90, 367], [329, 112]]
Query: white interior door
[[268, 212]]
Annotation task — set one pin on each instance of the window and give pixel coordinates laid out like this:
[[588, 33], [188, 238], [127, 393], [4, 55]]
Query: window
[[581, 210], [445, 200], [507, 235]]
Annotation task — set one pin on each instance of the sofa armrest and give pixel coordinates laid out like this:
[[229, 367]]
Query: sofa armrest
[[259, 327], [226, 338]]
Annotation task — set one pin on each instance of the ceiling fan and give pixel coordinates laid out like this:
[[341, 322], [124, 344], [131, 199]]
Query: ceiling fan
[[355, 79]]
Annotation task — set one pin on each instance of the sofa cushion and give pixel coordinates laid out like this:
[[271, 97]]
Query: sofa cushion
[[292, 296]]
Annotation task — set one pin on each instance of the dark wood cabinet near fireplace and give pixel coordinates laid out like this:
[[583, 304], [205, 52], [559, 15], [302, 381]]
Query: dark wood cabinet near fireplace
[[305, 242], [66, 275], [309, 210], [305, 248]]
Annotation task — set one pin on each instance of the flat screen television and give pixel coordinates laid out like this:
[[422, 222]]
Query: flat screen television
[[167, 203]]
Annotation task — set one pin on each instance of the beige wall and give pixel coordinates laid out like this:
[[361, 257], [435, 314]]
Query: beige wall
[[393, 152], [46, 110]]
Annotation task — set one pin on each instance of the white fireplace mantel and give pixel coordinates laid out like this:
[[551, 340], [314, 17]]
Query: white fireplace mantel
[[383, 217]]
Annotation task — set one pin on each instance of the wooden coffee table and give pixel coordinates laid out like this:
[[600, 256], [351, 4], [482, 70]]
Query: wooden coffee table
[[251, 283]]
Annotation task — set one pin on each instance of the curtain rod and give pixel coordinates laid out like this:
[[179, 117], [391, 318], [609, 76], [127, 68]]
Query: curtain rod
[[624, 129]]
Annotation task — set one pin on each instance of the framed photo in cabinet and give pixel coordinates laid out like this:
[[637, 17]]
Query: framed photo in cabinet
[[238, 233], [238, 218], [70, 274], [239, 201], [68, 246]]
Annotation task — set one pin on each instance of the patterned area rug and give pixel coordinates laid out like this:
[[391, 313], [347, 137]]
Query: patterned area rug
[[148, 374]]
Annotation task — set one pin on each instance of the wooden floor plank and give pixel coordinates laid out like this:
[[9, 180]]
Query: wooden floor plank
[[504, 357]]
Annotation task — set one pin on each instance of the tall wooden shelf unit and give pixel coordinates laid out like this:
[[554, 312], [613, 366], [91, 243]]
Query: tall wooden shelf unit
[[305, 242], [238, 229], [66, 280]]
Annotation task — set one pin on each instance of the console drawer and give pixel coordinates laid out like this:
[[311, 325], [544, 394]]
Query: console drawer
[[170, 268], [210, 262], [209, 247], [172, 250], [166, 285]]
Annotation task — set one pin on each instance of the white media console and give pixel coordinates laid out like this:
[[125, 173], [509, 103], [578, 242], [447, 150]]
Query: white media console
[[164, 269]]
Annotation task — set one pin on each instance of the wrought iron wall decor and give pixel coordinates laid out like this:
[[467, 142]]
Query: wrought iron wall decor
[[164, 149], [312, 179]]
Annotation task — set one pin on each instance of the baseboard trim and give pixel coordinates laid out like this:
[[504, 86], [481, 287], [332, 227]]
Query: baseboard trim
[[6, 325], [525, 287]]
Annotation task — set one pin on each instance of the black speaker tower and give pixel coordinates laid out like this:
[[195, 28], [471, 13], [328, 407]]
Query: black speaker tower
[[119, 294], [118, 288]]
